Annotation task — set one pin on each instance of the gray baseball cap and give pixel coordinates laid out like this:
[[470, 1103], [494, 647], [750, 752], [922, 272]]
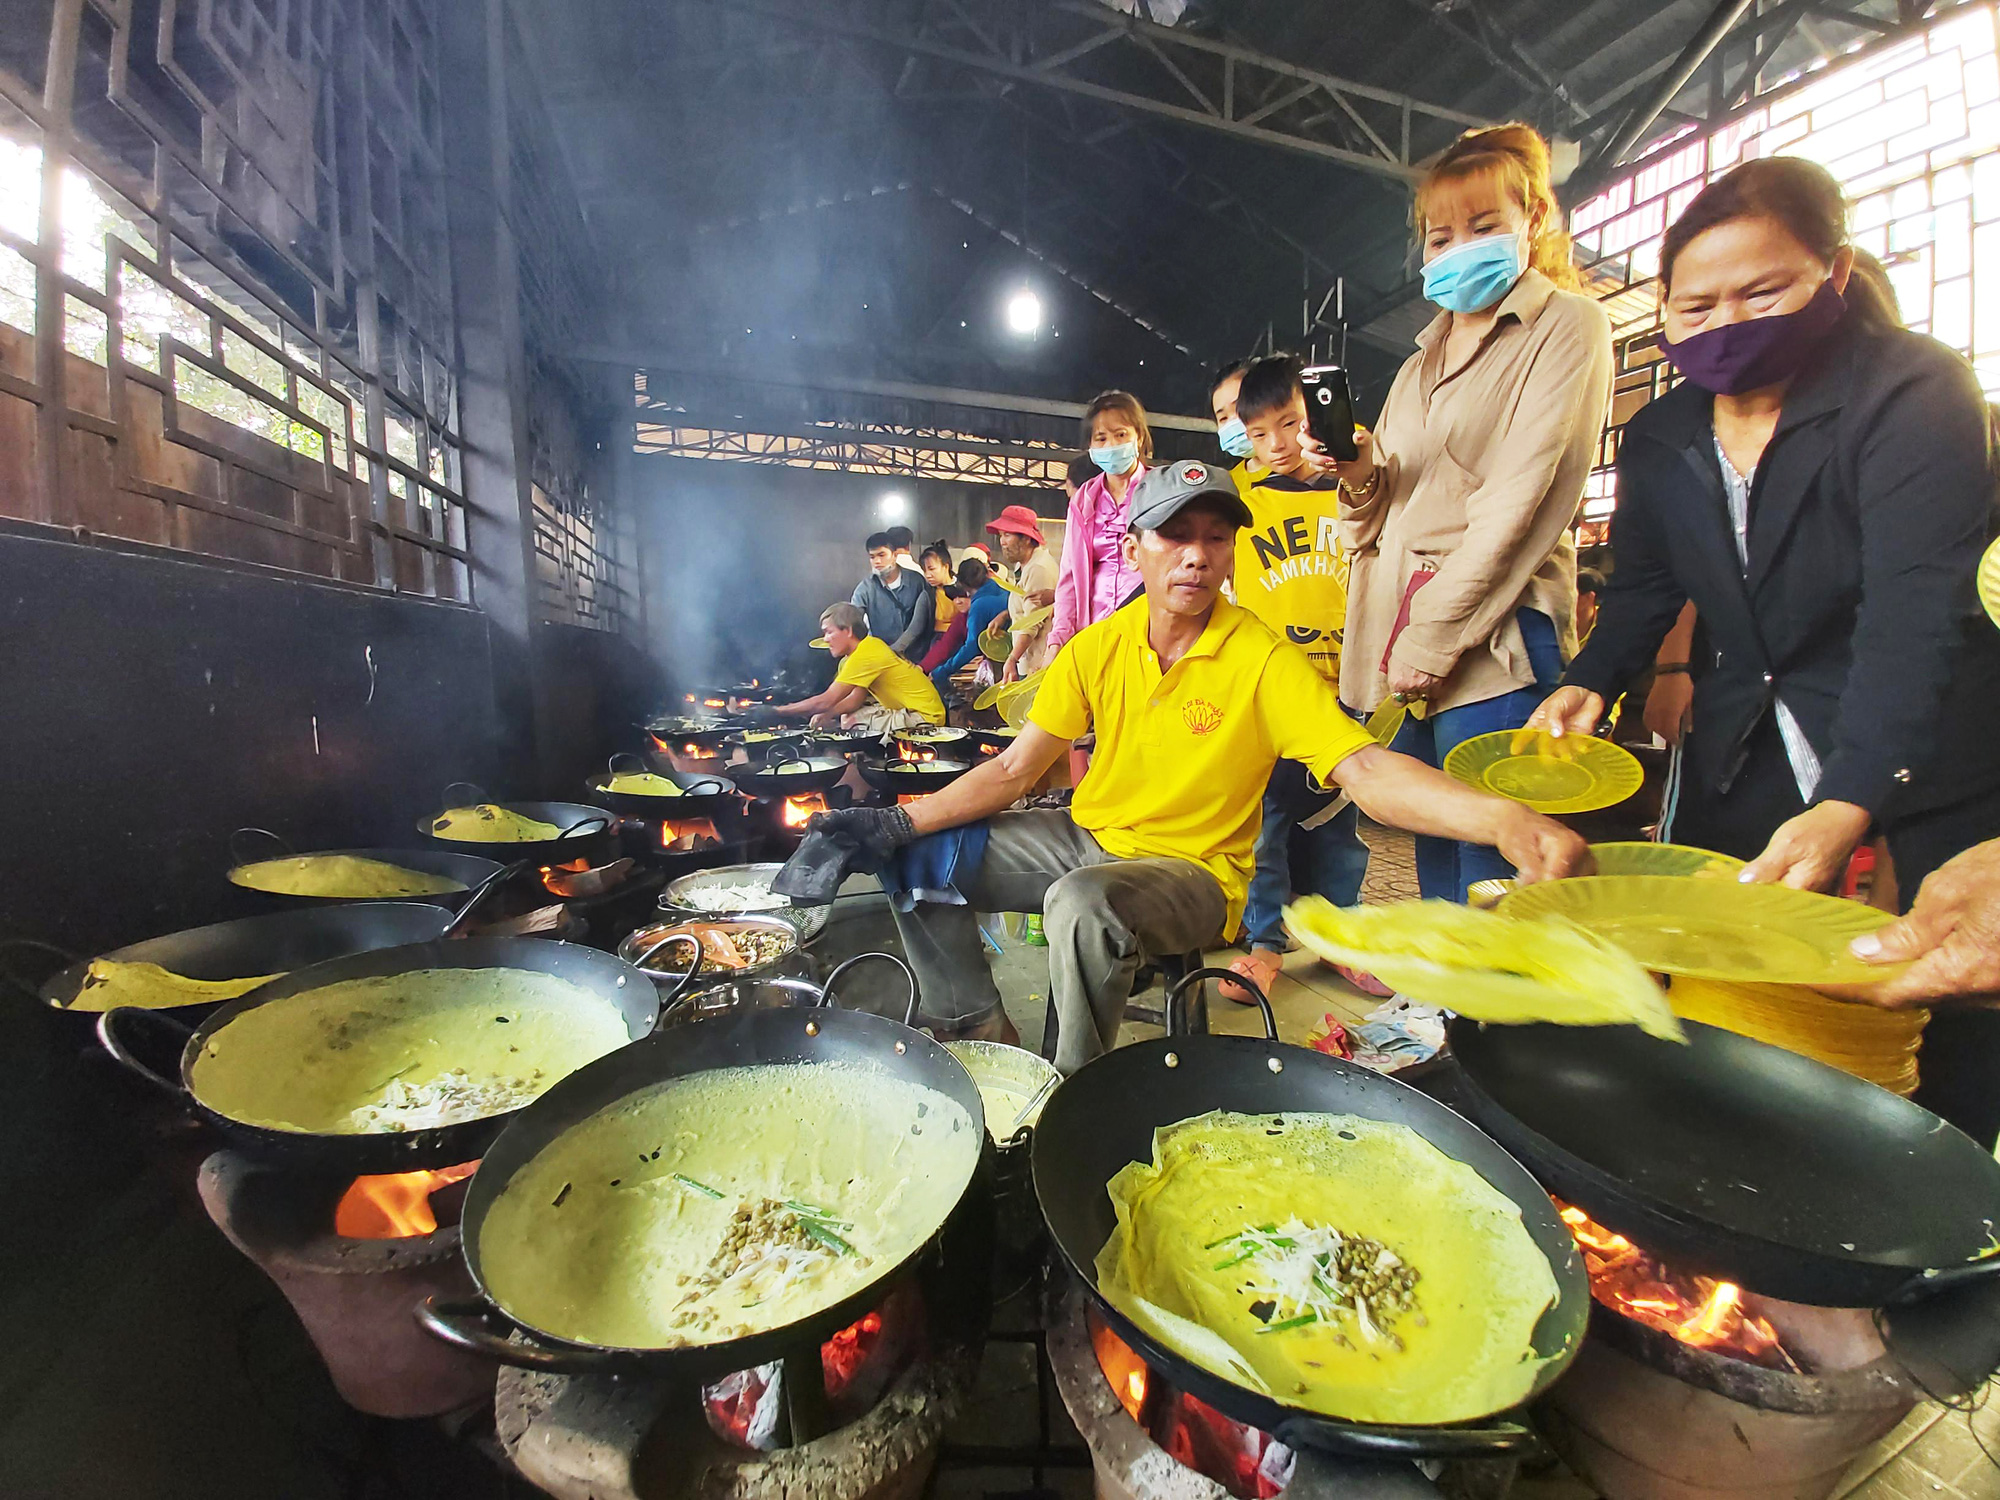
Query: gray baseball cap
[[1169, 489]]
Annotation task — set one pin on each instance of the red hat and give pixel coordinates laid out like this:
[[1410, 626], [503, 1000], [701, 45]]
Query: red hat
[[1019, 520]]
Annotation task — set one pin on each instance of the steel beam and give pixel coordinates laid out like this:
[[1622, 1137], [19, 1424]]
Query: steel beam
[[1213, 109], [1720, 20]]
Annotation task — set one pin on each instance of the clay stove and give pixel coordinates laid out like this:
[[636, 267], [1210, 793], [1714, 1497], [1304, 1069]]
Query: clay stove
[[354, 1258], [885, 1388], [1149, 1441], [1690, 1387]]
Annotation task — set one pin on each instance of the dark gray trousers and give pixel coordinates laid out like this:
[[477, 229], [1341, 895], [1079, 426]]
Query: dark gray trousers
[[1104, 916]]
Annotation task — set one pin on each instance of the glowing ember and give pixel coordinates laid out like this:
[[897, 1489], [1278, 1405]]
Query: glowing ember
[[688, 835], [1194, 1433], [1122, 1367], [395, 1207], [798, 811], [1696, 1310], [915, 753]]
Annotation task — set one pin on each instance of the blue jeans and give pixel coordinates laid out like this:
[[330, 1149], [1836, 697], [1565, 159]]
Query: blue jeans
[[1325, 861], [1446, 868]]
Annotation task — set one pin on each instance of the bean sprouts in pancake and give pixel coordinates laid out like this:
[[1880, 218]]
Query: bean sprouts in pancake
[[725, 1204]]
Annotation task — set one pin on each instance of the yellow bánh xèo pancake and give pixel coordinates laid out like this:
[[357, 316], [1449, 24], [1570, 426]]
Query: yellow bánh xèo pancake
[[403, 1052], [109, 983], [1487, 965], [642, 784], [489, 823], [1248, 1239], [340, 877], [724, 1204]]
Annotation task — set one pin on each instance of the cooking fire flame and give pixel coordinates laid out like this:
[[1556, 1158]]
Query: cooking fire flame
[[395, 1207], [798, 811], [1696, 1310]]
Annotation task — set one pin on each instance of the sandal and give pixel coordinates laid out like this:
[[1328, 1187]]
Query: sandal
[[1367, 983], [1261, 966], [997, 1027]]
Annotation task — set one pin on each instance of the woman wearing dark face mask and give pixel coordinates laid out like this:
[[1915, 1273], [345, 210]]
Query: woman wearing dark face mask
[[1820, 486], [1456, 512]]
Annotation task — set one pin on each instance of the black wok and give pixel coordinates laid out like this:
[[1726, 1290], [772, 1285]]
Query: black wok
[[469, 870], [1104, 1116], [586, 833], [701, 796], [762, 779], [839, 741], [909, 778], [274, 944], [606, 978], [734, 1040], [1740, 1160], [764, 741], [992, 741], [705, 734]]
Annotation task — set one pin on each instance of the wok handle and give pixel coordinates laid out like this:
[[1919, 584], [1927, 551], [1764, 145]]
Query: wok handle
[[909, 978], [478, 795], [120, 1019], [463, 917], [1927, 1284], [239, 855], [478, 1327], [674, 995], [1316, 1476], [611, 765], [8, 976], [1176, 1006], [1495, 1439], [602, 820]]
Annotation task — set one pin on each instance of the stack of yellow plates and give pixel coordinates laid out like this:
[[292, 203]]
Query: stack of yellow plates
[[1663, 859], [1013, 699], [1575, 774], [1714, 929], [1878, 1045]]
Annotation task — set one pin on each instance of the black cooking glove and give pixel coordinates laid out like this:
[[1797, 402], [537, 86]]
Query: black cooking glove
[[881, 831]]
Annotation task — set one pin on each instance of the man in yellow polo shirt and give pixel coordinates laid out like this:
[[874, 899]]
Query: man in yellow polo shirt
[[1193, 701], [874, 688]]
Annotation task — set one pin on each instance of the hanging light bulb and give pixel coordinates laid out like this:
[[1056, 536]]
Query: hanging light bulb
[[1024, 312]]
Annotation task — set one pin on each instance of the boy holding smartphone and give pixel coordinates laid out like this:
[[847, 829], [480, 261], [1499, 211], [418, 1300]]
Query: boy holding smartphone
[[1292, 574]]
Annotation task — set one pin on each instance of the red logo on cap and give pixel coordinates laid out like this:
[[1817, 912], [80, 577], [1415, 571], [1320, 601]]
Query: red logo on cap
[[1194, 474]]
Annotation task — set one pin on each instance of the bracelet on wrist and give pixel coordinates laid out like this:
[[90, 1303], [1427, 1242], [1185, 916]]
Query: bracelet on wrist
[[1367, 491]]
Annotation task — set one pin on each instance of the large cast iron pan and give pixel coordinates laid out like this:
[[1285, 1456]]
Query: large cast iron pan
[[1740, 1160], [1104, 1116], [909, 778], [761, 779], [701, 796], [586, 833], [276, 944], [606, 978], [469, 870], [749, 1038]]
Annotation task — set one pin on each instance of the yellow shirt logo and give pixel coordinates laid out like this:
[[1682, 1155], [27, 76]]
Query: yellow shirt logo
[[1201, 716]]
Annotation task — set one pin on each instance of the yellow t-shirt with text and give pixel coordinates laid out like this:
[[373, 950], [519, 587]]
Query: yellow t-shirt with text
[[1182, 757], [890, 680], [1291, 571]]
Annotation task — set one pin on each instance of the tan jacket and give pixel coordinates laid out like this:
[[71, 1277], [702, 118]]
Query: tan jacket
[[1482, 474]]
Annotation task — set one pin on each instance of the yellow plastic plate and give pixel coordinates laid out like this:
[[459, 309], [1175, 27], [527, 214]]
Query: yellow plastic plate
[[1576, 774], [818, 643], [1714, 929], [1386, 720], [1664, 859], [1007, 583], [1989, 582], [1032, 620]]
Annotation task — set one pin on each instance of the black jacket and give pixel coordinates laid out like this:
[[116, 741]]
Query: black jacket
[[1869, 511]]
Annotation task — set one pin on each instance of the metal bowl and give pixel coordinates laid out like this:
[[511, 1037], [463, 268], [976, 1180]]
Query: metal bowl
[[717, 989], [995, 1065], [808, 921]]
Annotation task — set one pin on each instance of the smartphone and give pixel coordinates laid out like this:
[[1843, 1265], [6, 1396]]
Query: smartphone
[[1330, 409]]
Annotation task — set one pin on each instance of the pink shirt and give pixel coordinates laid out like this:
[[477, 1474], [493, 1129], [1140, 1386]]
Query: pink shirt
[[1095, 579]]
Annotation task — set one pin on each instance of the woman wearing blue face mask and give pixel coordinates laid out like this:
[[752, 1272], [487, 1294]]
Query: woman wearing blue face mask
[[1820, 485], [1095, 578], [1457, 511]]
